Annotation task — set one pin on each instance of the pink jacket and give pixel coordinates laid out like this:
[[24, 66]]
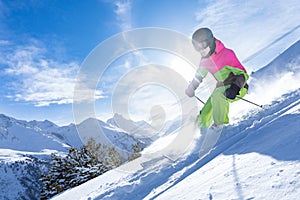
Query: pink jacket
[[221, 58]]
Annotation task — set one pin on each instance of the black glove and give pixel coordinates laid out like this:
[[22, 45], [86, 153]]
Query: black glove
[[231, 92]]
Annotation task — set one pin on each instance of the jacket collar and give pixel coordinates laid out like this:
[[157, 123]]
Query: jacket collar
[[219, 46]]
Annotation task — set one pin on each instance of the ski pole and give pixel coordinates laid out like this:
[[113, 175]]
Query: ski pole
[[199, 99], [250, 102]]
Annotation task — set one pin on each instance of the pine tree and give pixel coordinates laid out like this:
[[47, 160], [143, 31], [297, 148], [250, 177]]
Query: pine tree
[[109, 156], [136, 152], [77, 167]]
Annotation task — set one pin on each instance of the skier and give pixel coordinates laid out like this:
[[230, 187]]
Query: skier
[[231, 78]]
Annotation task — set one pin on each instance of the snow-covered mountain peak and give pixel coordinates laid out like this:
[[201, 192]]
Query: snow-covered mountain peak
[[5, 121], [119, 121], [91, 122], [139, 129], [46, 124], [25, 148], [35, 136], [23, 136]]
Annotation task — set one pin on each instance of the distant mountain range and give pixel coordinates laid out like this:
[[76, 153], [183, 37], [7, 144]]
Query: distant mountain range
[[26, 146], [36, 136]]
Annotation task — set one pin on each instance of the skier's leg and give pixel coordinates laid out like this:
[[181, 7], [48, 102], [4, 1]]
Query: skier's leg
[[220, 106], [212, 135], [205, 116], [204, 120]]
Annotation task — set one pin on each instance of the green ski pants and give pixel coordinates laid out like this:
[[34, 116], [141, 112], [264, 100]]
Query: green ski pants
[[216, 109]]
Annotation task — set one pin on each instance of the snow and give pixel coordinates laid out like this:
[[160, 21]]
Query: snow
[[256, 157], [19, 135], [26, 147], [249, 176], [9, 155], [263, 164]]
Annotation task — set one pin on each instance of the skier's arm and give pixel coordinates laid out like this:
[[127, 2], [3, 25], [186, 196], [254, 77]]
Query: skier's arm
[[194, 84]]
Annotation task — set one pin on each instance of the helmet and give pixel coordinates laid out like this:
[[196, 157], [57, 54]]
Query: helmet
[[203, 34], [206, 38]]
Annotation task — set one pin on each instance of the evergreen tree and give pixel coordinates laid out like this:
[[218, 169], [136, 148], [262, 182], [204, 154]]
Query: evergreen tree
[[79, 166], [69, 171], [109, 156], [136, 152]]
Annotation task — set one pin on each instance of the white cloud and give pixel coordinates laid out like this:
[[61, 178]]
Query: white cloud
[[250, 26], [38, 79], [85, 91], [4, 42], [123, 12]]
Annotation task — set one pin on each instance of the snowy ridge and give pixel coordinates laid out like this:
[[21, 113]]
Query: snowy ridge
[[140, 130], [287, 62], [256, 158], [25, 149], [37, 136], [23, 136]]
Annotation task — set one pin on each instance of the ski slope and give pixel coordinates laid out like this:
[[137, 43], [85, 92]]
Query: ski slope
[[257, 156], [263, 164]]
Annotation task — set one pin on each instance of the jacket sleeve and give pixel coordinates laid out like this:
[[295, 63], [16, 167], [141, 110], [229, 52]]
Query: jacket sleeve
[[201, 73]]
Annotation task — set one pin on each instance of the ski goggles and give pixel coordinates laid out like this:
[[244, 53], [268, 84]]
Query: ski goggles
[[199, 46]]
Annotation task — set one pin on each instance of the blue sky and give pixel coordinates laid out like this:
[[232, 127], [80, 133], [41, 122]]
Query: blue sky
[[43, 43]]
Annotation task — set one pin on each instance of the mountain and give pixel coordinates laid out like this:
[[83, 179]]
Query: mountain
[[107, 134], [287, 62], [27, 136], [35, 136], [25, 149], [141, 129], [256, 158]]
